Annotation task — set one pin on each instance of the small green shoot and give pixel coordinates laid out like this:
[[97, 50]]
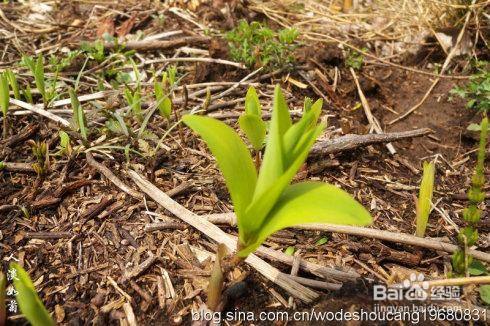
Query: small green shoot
[[289, 251], [355, 59], [468, 236], [29, 302], [133, 98], [4, 101], [425, 198], [162, 96], [79, 122], [256, 45], [37, 70], [251, 121], [40, 151], [65, 145], [321, 241], [14, 84]]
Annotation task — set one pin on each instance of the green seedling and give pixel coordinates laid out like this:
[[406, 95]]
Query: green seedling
[[133, 98], [162, 96], [468, 236], [3, 299], [14, 84], [79, 122], [265, 202], [4, 101], [29, 302], [355, 59], [256, 45], [37, 69], [94, 50], [425, 198], [40, 151], [477, 91], [28, 94], [65, 144]]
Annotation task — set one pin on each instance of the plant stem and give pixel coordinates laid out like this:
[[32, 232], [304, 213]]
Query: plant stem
[[257, 160], [5, 126]]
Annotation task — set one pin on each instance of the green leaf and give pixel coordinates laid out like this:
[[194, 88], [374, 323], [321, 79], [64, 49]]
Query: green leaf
[[3, 308], [39, 77], [321, 241], [14, 85], [272, 166], [254, 128], [477, 268], [4, 94], [252, 103], [485, 293], [29, 302], [232, 156], [310, 202], [164, 103], [78, 114], [258, 211], [289, 251], [425, 198]]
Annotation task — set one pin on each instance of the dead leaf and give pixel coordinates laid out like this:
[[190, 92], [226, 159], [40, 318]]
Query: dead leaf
[[126, 27], [107, 26], [59, 313]]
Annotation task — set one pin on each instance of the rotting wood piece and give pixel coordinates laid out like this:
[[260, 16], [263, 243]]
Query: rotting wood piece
[[352, 141]]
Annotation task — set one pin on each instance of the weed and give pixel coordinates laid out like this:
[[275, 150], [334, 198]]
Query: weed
[[477, 91], [354, 59], [256, 45], [265, 202], [163, 92], [79, 122], [4, 101], [133, 98], [29, 302], [65, 144], [37, 69], [40, 151], [14, 85], [468, 236], [425, 198], [94, 50]]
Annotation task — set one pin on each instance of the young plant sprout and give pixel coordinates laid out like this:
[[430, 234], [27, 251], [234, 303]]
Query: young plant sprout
[[133, 98], [266, 202], [4, 101], [162, 96], [29, 302], [425, 198], [79, 122], [468, 236], [37, 69], [252, 124], [14, 85]]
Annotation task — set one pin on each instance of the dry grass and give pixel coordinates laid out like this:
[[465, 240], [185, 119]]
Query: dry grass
[[390, 27]]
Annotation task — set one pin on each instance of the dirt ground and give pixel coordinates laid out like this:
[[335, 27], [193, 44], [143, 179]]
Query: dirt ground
[[79, 236]]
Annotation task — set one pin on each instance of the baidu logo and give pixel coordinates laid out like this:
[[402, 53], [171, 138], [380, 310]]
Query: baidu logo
[[412, 289]]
